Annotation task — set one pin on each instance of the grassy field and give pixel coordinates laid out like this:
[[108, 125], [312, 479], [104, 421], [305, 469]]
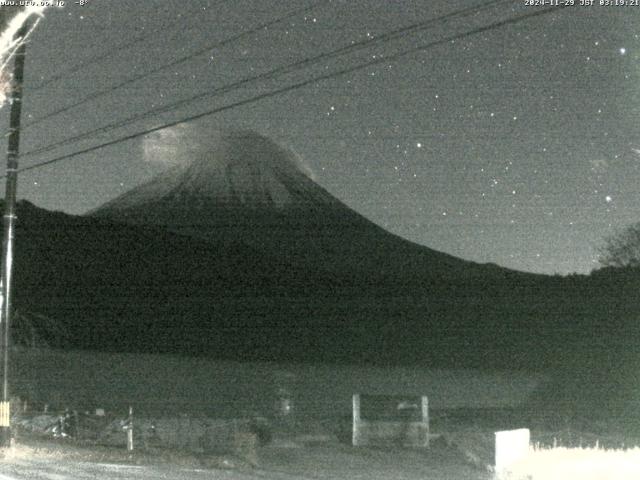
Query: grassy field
[[172, 385]]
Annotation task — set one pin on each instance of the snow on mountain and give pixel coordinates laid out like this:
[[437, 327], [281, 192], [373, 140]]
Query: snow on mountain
[[231, 168], [239, 186]]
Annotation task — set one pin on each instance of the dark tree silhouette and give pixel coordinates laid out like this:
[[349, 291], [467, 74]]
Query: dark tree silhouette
[[621, 249]]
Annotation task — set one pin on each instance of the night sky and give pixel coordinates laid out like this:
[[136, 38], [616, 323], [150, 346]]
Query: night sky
[[518, 145]]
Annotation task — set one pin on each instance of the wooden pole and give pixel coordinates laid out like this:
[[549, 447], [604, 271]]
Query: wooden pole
[[13, 145]]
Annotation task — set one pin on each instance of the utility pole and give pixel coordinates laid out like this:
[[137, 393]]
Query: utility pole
[[13, 144]]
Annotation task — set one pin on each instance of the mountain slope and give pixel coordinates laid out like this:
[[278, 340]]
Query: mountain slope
[[244, 187], [119, 287], [131, 288]]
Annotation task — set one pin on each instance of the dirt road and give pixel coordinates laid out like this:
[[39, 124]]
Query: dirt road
[[65, 469], [319, 462]]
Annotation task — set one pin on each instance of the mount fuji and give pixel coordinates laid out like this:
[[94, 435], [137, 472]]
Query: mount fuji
[[240, 186]]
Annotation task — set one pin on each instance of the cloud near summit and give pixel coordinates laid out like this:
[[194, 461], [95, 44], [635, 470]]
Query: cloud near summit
[[183, 143]]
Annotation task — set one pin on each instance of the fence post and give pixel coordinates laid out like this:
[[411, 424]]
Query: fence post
[[425, 418], [130, 430], [355, 434], [76, 425]]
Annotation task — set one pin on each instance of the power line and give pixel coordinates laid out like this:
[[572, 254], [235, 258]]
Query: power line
[[492, 26], [301, 84], [386, 37], [174, 63], [104, 55]]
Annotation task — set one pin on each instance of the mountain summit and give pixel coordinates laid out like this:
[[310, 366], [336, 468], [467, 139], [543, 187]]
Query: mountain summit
[[238, 186], [234, 168]]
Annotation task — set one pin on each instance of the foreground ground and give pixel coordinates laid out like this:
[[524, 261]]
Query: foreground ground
[[461, 450], [279, 461]]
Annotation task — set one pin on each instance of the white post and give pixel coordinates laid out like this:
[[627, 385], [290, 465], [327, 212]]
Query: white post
[[355, 435], [130, 431], [425, 418]]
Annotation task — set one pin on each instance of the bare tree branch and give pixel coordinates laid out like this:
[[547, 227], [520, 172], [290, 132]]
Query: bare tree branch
[[622, 249]]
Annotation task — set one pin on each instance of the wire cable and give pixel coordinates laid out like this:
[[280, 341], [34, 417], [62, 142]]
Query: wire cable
[[174, 63], [273, 73], [280, 91]]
